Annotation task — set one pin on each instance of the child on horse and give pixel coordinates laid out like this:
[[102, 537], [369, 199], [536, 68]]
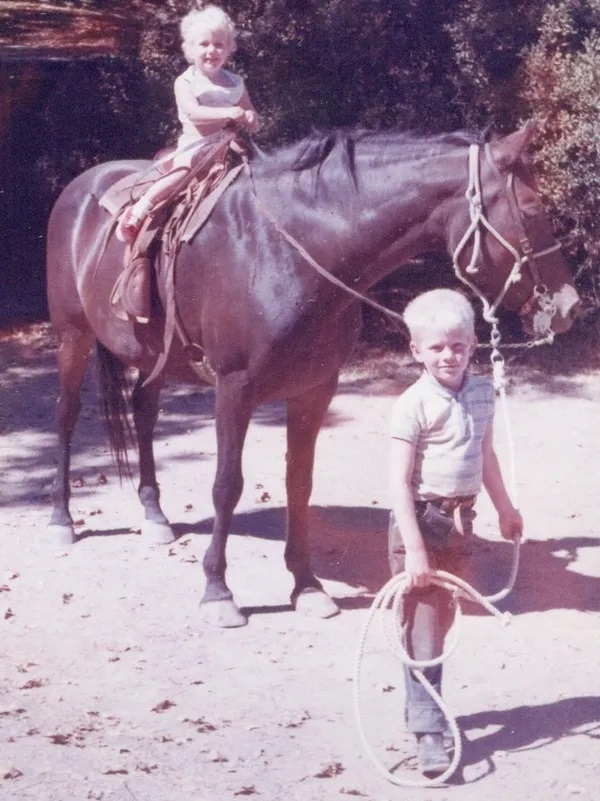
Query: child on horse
[[442, 452], [208, 98]]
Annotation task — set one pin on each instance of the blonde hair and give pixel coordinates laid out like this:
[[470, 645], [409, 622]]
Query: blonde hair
[[439, 309], [206, 18]]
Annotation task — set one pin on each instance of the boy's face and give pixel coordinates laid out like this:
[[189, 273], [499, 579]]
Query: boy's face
[[445, 354]]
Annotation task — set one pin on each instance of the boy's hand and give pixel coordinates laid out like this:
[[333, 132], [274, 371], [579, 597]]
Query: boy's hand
[[418, 571], [511, 524]]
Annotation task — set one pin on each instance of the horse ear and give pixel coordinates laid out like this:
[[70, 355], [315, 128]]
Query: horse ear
[[507, 150]]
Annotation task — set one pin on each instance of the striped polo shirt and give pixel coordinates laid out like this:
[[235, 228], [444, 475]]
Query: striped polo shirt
[[446, 428]]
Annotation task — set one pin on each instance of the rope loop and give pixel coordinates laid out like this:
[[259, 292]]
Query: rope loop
[[389, 598]]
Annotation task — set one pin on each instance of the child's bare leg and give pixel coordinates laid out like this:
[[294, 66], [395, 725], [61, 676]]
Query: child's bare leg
[[162, 188], [131, 221]]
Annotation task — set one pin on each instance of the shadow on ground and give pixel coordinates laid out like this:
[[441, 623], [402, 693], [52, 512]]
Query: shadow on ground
[[525, 728], [29, 387], [349, 545]]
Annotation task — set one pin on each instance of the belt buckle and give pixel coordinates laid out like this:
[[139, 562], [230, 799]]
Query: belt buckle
[[452, 504]]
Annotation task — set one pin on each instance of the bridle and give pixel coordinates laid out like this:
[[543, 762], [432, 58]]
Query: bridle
[[528, 256]]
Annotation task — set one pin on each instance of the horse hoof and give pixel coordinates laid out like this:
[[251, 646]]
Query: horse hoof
[[313, 602], [61, 535], [222, 614], [159, 533]]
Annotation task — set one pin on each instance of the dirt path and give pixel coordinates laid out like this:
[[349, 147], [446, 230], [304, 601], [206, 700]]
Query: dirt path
[[112, 687]]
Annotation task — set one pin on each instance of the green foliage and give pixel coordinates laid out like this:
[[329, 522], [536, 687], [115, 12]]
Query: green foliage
[[316, 64], [368, 62], [489, 40], [375, 63], [562, 85]]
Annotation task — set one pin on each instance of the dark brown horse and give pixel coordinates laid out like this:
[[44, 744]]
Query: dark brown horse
[[271, 325]]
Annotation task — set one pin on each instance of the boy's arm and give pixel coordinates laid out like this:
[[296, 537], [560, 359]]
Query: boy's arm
[[401, 468], [510, 520]]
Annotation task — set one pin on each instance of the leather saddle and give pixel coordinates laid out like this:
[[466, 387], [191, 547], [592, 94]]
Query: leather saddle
[[173, 222]]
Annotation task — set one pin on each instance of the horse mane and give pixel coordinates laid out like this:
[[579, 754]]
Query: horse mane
[[321, 148], [318, 147]]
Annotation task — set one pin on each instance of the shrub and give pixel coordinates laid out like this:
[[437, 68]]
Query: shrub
[[561, 82]]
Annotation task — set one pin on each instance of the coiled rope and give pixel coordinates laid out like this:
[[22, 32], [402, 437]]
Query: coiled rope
[[390, 597]]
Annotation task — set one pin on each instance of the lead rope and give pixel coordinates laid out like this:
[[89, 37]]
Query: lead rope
[[499, 381], [390, 597]]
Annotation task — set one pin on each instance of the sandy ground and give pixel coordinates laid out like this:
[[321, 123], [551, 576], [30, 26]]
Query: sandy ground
[[112, 687]]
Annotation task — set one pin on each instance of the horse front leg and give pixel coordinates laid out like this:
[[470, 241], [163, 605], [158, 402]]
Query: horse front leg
[[304, 420], [155, 525], [74, 347], [233, 412]]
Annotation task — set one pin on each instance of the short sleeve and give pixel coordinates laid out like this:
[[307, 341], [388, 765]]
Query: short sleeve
[[406, 422]]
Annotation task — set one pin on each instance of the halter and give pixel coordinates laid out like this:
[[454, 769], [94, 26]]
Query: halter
[[541, 297]]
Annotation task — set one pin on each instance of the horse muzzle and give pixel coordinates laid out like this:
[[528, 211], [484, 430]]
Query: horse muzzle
[[544, 312]]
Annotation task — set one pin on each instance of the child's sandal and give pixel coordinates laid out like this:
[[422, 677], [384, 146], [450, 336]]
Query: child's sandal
[[128, 227]]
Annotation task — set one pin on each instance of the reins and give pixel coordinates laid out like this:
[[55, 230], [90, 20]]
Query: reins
[[479, 221], [319, 268]]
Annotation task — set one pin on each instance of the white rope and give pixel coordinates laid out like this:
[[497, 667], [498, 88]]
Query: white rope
[[542, 320], [500, 382], [478, 219], [390, 596]]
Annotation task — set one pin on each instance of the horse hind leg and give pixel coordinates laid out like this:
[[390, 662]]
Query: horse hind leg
[[304, 420], [155, 526], [74, 347]]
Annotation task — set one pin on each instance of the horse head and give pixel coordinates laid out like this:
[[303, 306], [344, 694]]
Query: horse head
[[508, 253]]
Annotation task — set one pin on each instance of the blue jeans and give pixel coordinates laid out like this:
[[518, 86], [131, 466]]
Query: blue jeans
[[428, 612]]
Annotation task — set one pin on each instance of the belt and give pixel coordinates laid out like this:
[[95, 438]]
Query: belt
[[448, 504]]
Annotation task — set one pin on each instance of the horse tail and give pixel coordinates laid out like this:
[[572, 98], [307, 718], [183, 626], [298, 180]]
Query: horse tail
[[114, 391]]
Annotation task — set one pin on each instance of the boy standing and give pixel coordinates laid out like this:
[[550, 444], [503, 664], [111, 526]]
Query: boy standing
[[442, 452]]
